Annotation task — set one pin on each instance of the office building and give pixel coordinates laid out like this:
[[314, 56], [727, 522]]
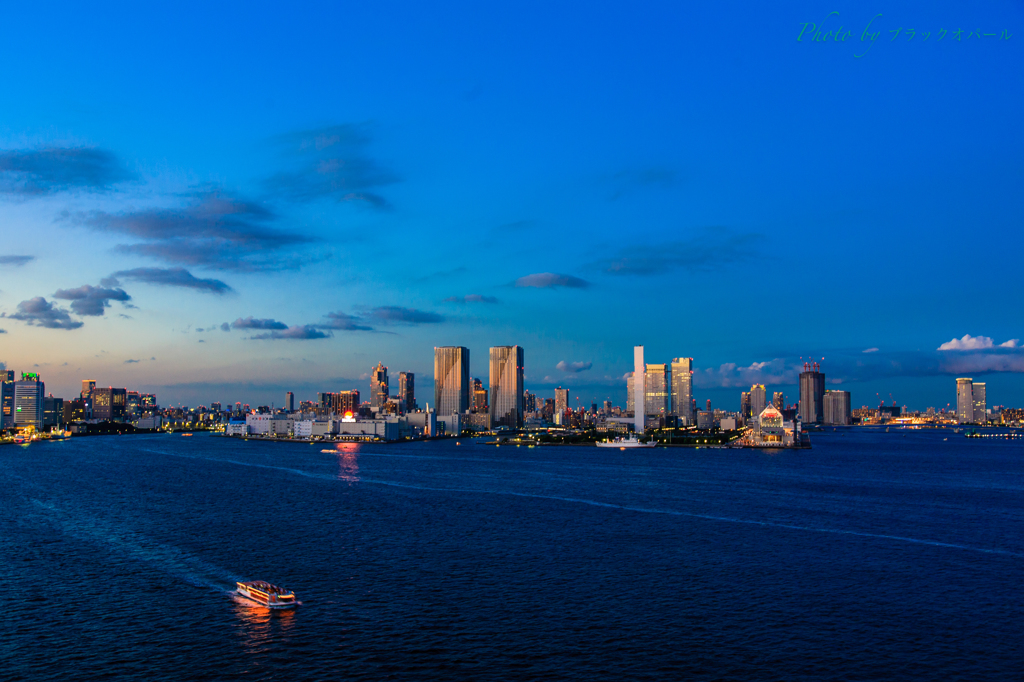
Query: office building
[[109, 404], [657, 388], [965, 401], [630, 393], [338, 403], [744, 405], [561, 400], [812, 393], [407, 391], [6, 399], [529, 402], [53, 411], [837, 408], [758, 399], [379, 392], [639, 390], [451, 380], [980, 406], [778, 401], [506, 384], [29, 394], [682, 389], [289, 401], [478, 397]]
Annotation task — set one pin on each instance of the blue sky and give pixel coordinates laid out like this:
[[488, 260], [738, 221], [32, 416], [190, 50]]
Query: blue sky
[[342, 184]]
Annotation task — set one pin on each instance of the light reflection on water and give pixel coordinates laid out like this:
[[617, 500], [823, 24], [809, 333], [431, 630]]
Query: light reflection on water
[[261, 626], [348, 463]]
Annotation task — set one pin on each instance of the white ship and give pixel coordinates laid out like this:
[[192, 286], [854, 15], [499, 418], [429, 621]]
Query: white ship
[[623, 443]]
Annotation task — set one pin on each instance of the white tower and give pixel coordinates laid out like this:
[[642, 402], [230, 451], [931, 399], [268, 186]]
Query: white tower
[[639, 392]]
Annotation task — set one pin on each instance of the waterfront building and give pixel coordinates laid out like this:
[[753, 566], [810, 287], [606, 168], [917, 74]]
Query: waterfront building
[[379, 391], [812, 393], [407, 391], [451, 380], [478, 396], [964, 401], [506, 384], [656, 390], [109, 404], [29, 394], [6, 399], [639, 390], [758, 399], [682, 390], [745, 405], [561, 400], [979, 401], [836, 406], [53, 411], [630, 393]]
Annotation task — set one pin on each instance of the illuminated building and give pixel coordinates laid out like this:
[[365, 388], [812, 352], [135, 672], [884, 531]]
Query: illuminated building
[[407, 391], [478, 397], [53, 411], [529, 402], [29, 394], [682, 389], [339, 403], [656, 390], [745, 405], [506, 384], [378, 387], [109, 404], [451, 380], [561, 400], [979, 400], [758, 398], [836, 406], [964, 401], [639, 390], [630, 393], [778, 400], [812, 392], [6, 399]]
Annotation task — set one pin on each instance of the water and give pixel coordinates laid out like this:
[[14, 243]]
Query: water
[[871, 556]]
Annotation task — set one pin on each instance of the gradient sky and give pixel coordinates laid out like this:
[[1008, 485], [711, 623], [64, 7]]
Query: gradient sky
[[222, 203]]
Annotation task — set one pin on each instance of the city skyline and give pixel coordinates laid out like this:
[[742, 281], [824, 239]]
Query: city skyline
[[333, 208]]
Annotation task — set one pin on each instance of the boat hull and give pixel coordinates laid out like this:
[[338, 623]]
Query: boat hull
[[242, 591]]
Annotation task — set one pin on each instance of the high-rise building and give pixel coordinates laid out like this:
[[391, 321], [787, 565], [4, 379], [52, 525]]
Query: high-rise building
[[529, 402], [379, 392], [407, 391], [87, 386], [779, 400], [478, 396], [109, 404], [657, 386], [451, 380], [6, 399], [561, 400], [53, 411], [836, 406], [506, 383], [682, 389], [339, 403], [965, 401], [812, 392], [745, 411], [630, 393], [639, 390], [980, 403], [29, 394], [758, 399], [289, 401]]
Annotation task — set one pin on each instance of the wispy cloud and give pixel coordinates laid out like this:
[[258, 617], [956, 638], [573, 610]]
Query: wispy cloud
[[298, 332], [709, 250], [870, 350], [331, 163], [170, 277], [38, 312], [16, 261], [969, 342], [390, 314], [340, 320], [213, 229], [90, 300], [551, 280], [471, 298], [574, 367], [36, 172], [253, 323]]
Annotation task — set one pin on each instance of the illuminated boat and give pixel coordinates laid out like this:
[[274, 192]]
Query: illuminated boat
[[265, 594], [623, 443]]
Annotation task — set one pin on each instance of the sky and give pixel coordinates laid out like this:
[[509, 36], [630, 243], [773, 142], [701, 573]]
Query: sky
[[224, 202]]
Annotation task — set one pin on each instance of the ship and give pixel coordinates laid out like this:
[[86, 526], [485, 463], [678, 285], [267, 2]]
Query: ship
[[265, 594], [623, 443]]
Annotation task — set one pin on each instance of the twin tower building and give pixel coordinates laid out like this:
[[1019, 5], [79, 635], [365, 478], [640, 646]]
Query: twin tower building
[[452, 384]]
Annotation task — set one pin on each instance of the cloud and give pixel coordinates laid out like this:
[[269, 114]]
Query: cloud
[[213, 229], [969, 342], [37, 172], [301, 332], [3, 331], [398, 315], [870, 350], [252, 323], [16, 260], [38, 312], [574, 367], [171, 277], [225, 327], [731, 375], [130, 362], [550, 280], [90, 300], [709, 250], [471, 298], [331, 163], [340, 320]]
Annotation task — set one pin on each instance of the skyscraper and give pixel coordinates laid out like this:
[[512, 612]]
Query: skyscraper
[[745, 405], [561, 400], [779, 400], [478, 396], [682, 389], [379, 392], [656, 390], [630, 393], [506, 383], [6, 399], [964, 401], [980, 405], [639, 390], [29, 394], [289, 401], [758, 399], [407, 390], [812, 392], [109, 404], [836, 405], [529, 402], [451, 380]]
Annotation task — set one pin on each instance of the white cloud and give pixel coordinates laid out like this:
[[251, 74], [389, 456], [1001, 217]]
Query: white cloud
[[969, 342], [870, 350]]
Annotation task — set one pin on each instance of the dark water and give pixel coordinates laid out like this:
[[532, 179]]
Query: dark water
[[871, 556]]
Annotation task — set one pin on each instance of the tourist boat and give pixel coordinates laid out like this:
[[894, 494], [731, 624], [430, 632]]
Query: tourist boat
[[623, 443], [265, 594]]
